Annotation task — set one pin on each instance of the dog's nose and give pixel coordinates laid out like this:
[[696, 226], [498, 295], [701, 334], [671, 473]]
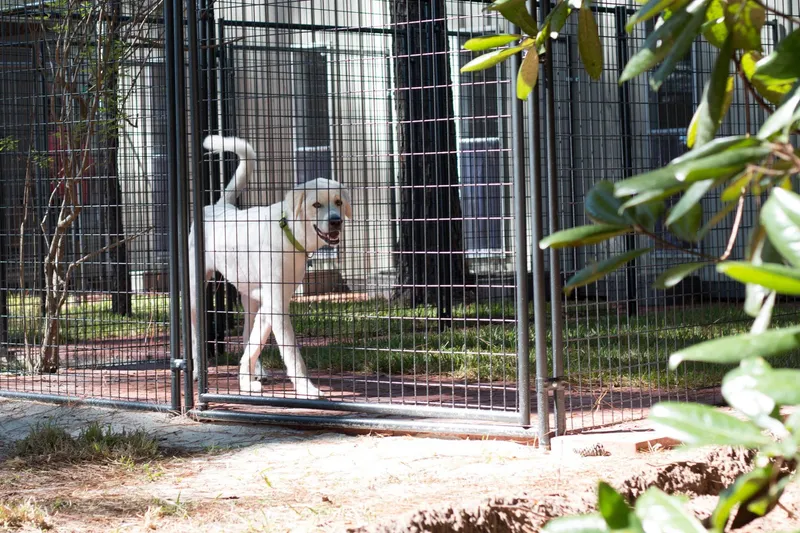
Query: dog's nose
[[335, 223]]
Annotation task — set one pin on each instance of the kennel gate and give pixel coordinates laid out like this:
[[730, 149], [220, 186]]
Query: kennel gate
[[228, 53]]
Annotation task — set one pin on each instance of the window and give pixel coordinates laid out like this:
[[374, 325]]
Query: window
[[312, 134], [671, 110], [480, 162], [311, 116]]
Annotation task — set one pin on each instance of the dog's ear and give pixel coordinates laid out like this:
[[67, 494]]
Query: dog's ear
[[347, 204], [295, 200]]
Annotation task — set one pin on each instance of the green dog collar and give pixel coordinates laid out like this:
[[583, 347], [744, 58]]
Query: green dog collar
[[288, 232]]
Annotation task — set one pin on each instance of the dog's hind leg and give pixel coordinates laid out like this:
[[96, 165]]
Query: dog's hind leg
[[251, 306], [295, 366], [255, 343]]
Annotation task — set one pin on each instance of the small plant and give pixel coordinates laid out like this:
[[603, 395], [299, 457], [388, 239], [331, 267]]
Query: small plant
[[743, 170], [51, 444], [16, 515]]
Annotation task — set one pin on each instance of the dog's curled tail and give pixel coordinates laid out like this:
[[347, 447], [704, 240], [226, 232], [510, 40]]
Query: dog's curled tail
[[247, 162]]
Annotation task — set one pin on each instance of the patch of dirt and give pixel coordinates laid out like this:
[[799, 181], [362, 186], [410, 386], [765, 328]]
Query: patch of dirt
[[259, 478]]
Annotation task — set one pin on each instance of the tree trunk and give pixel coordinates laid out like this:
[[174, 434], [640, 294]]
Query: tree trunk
[[431, 258], [119, 275]]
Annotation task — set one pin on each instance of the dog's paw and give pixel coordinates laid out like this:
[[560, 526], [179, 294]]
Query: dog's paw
[[305, 389], [246, 385], [260, 372]]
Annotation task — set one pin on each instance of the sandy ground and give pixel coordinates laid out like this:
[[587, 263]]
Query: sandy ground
[[261, 478]]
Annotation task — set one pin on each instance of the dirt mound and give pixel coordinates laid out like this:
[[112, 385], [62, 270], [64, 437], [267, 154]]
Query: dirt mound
[[706, 477], [501, 515], [694, 478]]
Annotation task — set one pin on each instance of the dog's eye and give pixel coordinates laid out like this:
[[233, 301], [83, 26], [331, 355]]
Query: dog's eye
[[338, 203], [317, 205]]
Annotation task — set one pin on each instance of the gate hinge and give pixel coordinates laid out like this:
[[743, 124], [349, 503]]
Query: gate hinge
[[178, 364]]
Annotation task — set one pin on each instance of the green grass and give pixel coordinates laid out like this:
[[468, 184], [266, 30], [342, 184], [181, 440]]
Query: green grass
[[602, 345], [52, 444]]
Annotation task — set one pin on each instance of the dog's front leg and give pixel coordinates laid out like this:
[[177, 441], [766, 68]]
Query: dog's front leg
[[255, 343], [295, 366]]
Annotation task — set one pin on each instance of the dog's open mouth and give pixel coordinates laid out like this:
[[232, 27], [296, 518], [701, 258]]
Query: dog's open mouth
[[332, 237]]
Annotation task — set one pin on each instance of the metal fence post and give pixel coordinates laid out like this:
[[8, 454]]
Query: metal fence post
[[173, 242], [196, 124], [180, 139], [521, 247], [556, 304], [537, 260]]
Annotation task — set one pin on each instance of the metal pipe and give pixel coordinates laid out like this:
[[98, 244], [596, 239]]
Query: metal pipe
[[626, 132], [172, 211], [521, 247], [369, 408], [556, 304], [537, 260], [198, 174], [182, 199], [97, 402], [365, 424]]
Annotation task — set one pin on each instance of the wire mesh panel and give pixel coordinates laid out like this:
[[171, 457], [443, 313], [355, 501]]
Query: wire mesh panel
[[619, 332], [82, 228], [415, 304]]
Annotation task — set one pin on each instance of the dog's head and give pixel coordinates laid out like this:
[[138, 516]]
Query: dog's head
[[321, 205]]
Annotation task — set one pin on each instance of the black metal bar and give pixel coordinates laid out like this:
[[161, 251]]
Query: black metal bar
[[172, 208], [520, 247], [199, 177], [626, 130], [365, 424], [556, 303], [75, 400], [537, 259], [182, 198], [369, 408]]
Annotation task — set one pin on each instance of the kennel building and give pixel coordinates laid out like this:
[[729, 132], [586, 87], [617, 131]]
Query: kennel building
[[436, 312]]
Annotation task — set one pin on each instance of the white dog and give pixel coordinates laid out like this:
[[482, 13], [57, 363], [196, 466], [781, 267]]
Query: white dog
[[262, 251]]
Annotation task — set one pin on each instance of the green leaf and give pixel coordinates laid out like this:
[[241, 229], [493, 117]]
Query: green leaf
[[703, 425], [613, 507], [516, 12], [734, 190], [736, 348], [757, 386], [781, 66], [764, 315], [680, 47], [662, 513], [745, 487], [714, 30], [646, 215], [780, 217], [491, 59], [702, 113], [780, 122], [603, 207], [713, 104], [528, 74], [774, 93], [690, 198], [744, 19], [687, 227], [582, 235], [487, 42], [553, 24], [659, 43], [589, 523], [652, 9], [779, 278], [599, 270], [673, 276], [589, 45]]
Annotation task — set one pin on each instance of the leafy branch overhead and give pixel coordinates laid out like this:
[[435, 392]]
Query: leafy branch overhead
[[709, 187]]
